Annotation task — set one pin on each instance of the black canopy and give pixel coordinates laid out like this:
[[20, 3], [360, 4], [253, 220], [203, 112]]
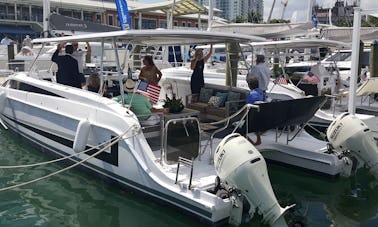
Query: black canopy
[[69, 24]]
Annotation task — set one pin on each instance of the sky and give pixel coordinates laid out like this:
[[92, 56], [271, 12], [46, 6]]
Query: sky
[[296, 10]]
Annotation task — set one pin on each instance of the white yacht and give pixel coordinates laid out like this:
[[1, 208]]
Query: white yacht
[[218, 179], [106, 138]]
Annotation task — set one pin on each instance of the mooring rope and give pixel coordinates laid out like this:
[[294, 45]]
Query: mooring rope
[[63, 158], [69, 167]]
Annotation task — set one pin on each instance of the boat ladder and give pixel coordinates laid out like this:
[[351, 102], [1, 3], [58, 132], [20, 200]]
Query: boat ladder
[[188, 163]]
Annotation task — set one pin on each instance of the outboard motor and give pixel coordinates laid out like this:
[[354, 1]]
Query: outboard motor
[[243, 173], [349, 133]]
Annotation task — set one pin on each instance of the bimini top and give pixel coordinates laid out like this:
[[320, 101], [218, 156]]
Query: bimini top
[[158, 37], [301, 43]]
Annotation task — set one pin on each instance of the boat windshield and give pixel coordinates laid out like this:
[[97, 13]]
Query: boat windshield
[[340, 56]]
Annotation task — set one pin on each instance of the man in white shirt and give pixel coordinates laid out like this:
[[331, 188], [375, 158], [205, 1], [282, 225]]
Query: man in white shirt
[[6, 41], [79, 55], [261, 72]]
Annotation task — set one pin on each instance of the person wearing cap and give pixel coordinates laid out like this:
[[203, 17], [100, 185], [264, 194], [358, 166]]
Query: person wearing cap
[[261, 72], [68, 70], [140, 104]]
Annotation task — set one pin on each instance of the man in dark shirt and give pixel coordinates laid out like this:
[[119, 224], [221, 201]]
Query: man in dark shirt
[[68, 70]]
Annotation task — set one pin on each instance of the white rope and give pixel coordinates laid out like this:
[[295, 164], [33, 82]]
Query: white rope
[[63, 158], [69, 167]]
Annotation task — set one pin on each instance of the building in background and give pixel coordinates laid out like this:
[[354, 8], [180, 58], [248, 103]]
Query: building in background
[[231, 9], [25, 17], [341, 14]]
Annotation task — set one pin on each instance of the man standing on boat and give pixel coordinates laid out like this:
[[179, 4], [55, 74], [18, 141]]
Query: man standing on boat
[[6, 41], [261, 72], [68, 70]]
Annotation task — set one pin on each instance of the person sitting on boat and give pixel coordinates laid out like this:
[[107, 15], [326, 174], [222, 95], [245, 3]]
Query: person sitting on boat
[[94, 84], [79, 54], [26, 51], [139, 104], [254, 96], [197, 65], [68, 70], [149, 72], [261, 72]]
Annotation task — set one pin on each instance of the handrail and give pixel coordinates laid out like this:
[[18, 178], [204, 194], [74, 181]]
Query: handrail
[[246, 108]]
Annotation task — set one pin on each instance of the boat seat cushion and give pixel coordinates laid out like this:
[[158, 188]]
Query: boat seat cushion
[[217, 111], [200, 106], [223, 96], [233, 96], [205, 94]]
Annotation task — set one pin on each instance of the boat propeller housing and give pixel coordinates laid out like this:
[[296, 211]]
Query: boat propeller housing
[[242, 169], [347, 133]]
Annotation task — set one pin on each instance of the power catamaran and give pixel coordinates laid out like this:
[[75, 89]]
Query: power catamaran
[[107, 139], [289, 146], [172, 164]]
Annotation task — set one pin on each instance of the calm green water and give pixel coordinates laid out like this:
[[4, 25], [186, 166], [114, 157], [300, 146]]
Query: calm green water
[[75, 198]]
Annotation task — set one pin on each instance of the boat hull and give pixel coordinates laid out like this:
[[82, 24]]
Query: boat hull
[[51, 123]]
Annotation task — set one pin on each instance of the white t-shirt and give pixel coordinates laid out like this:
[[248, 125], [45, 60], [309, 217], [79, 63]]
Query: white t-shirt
[[262, 73], [79, 56]]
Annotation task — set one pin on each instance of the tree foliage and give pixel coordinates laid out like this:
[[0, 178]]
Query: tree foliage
[[370, 22], [276, 21]]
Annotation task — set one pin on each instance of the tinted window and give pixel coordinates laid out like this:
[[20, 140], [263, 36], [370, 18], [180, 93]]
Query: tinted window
[[29, 88]]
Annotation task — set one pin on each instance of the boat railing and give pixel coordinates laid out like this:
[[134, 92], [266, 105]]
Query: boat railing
[[236, 120]]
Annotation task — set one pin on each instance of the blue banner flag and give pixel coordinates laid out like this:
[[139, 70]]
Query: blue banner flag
[[123, 14]]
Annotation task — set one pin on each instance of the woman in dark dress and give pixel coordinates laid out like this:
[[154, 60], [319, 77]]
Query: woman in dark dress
[[197, 64]]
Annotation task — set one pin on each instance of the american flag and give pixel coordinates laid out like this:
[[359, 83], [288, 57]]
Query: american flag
[[311, 78], [280, 80], [151, 91]]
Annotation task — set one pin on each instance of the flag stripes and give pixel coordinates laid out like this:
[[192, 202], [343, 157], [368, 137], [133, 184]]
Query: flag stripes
[[151, 91], [280, 80]]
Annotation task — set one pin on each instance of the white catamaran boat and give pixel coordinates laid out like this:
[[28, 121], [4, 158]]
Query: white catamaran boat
[[106, 138], [175, 162]]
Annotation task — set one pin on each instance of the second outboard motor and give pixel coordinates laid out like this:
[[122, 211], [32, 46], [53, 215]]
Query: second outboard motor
[[243, 173], [349, 133]]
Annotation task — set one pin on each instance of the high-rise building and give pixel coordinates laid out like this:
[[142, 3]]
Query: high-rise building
[[232, 9]]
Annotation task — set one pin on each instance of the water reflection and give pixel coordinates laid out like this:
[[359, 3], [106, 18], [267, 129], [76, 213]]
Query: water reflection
[[327, 202], [76, 198]]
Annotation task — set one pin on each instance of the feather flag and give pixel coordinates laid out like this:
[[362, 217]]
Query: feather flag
[[123, 14], [151, 91]]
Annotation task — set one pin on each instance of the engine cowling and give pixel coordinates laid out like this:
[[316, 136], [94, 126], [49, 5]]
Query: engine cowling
[[348, 133], [240, 166]]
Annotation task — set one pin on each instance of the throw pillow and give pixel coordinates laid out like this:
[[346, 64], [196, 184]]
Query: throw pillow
[[233, 96], [214, 101], [205, 94], [223, 96]]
